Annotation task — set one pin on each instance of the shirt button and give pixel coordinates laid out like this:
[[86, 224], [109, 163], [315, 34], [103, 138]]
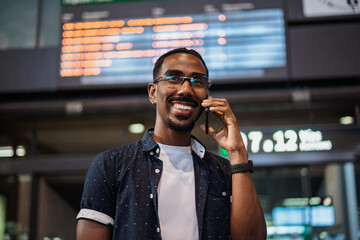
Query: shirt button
[[151, 196], [157, 150], [157, 229], [157, 170], [151, 153], [224, 194]]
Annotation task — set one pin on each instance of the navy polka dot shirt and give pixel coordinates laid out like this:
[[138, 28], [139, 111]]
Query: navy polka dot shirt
[[121, 190]]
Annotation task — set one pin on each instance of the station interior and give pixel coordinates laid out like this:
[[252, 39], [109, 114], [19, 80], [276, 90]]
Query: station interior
[[290, 70]]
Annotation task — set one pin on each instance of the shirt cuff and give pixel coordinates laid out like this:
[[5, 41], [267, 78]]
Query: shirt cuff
[[96, 216]]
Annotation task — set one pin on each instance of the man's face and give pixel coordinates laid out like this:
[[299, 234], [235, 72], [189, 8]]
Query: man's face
[[179, 108]]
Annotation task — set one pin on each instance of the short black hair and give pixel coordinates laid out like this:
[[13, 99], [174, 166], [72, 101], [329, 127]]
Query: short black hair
[[161, 59]]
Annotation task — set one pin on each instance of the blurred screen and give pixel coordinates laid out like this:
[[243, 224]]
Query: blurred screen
[[316, 216], [283, 216], [101, 47], [322, 216]]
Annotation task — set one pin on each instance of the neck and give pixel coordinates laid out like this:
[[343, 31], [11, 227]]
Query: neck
[[170, 137]]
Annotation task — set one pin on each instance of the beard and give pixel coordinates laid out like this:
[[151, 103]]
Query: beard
[[182, 128]]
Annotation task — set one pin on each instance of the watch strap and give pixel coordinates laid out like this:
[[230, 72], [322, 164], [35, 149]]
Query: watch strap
[[242, 167]]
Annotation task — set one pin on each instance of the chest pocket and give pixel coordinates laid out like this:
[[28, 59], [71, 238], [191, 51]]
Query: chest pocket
[[218, 210], [219, 192], [219, 187]]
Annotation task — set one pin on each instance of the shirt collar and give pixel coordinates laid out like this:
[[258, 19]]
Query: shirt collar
[[149, 144]]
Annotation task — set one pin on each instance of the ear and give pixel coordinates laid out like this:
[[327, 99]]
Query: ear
[[152, 93]]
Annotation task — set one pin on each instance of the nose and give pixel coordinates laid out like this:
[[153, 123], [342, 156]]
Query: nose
[[185, 88]]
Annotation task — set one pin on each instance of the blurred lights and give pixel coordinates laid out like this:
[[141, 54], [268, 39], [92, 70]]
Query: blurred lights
[[272, 230], [315, 201], [222, 17], [136, 128], [327, 201], [20, 151], [346, 120], [8, 151], [303, 202], [304, 172], [222, 41], [74, 108], [159, 21], [291, 202], [323, 235]]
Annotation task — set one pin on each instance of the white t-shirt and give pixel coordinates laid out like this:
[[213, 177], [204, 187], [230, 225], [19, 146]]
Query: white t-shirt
[[176, 194]]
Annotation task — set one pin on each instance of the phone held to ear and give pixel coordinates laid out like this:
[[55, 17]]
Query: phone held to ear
[[207, 110], [207, 120]]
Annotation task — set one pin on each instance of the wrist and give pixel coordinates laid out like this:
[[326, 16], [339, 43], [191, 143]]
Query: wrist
[[242, 167], [238, 156]]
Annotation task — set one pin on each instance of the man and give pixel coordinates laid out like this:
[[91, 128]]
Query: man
[[167, 186]]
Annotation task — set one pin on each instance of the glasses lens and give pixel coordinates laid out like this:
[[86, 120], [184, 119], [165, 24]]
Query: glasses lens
[[173, 79], [200, 82]]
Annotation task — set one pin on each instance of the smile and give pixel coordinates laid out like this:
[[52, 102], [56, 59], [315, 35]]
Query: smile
[[182, 107]]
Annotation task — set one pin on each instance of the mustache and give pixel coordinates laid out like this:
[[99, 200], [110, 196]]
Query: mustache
[[184, 99]]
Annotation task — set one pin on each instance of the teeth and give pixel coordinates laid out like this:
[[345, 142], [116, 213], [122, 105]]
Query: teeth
[[184, 107]]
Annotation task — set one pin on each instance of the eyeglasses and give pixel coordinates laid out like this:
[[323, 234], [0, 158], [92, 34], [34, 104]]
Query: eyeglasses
[[197, 82]]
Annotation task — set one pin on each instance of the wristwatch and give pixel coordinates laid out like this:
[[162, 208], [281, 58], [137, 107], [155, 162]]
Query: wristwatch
[[242, 167]]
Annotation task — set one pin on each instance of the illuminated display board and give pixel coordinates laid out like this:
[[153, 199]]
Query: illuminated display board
[[316, 216], [273, 146], [304, 140], [314, 211], [108, 44]]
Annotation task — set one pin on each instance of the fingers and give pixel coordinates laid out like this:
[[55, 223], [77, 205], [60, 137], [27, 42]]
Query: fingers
[[218, 110], [220, 107], [216, 104]]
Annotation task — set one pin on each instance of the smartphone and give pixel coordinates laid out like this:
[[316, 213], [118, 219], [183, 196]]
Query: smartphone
[[207, 120], [207, 110]]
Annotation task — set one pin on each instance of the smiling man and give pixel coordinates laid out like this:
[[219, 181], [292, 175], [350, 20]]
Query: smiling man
[[167, 186]]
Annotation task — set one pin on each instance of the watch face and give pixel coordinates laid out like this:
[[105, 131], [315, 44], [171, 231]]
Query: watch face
[[321, 8]]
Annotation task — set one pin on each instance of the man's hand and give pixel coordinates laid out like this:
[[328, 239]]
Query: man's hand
[[229, 136], [247, 217]]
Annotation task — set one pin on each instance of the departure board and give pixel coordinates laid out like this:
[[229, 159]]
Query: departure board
[[101, 47]]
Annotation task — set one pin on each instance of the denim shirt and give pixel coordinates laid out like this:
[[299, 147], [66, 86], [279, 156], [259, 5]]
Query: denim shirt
[[121, 190]]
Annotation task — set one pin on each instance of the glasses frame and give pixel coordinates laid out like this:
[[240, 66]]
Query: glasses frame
[[183, 79]]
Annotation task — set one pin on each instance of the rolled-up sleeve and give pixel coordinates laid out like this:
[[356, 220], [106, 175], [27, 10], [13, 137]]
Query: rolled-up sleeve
[[99, 194]]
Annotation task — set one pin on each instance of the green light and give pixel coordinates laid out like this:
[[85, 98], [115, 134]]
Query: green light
[[136, 128], [223, 152], [296, 202], [315, 201]]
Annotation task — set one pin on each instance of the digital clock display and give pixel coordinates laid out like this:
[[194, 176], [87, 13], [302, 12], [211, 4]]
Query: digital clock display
[[300, 140], [304, 140]]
